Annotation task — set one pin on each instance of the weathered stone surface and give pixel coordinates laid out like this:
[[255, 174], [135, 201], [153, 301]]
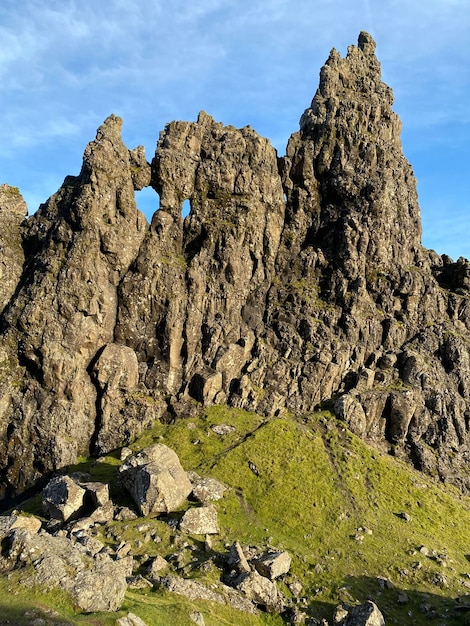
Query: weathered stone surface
[[101, 588], [292, 281], [366, 614], [93, 579], [259, 589], [194, 590], [11, 522], [206, 489], [155, 479], [101, 515], [63, 499], [116, 374], [198, 618], [200, 521], [191, 589], [273, 564], [237, 559], [78, 247], [97, 492], [158, 565], [13, 212]]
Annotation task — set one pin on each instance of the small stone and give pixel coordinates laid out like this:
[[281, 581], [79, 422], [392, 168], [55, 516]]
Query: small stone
[[191, 589], [295, 588], [123, 549], [403, 598], [439, 580], [197, 617], [138, 582], [158, 565], [130, 620], [125, 453], [99, 492], [366, 614], [259, 589], [273, 564], [385, 583], [124, 514], [222, 429], [208, 543]]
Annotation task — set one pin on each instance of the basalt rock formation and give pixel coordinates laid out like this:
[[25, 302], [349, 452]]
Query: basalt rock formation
[[293, 282]]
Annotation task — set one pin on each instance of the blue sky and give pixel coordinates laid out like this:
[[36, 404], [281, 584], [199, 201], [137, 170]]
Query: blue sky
[[65, 65]]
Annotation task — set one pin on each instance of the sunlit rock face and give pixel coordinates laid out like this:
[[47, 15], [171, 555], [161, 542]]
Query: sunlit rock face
[[293, 282]]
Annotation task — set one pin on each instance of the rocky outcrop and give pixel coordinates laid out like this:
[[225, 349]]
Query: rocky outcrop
[[93, 579], [13, 212], [291, 283]]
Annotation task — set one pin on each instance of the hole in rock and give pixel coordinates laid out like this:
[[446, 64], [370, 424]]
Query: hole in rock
[[186, 208], [148, 201]]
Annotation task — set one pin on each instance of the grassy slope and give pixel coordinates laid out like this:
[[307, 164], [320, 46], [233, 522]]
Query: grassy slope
[[317, 485]]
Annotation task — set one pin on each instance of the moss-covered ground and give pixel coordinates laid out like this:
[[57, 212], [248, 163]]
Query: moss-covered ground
[[358, 524]]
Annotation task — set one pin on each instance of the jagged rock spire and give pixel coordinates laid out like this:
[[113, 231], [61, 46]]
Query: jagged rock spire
[[359, 188]]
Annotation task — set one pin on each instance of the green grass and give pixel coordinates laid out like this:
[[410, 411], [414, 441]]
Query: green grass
[[317, 484]]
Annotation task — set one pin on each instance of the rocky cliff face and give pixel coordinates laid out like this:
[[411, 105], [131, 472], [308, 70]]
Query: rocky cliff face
[[291, 283]]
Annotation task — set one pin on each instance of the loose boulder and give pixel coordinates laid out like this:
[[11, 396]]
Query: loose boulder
[[259, 589], [155, 479], [237, 559], [273, 564], [366, 614], [200, 521], [206, 489], [63, 499], [11, 522]]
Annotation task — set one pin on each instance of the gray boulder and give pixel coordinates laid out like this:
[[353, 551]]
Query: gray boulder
[[194, 590], [98, 493], [11, 522], [156, 567], [366, 614], [198, 618], [237, 559], [155, 479], [259, 589], [63, 499], [100, 588], [200, 521], [273, 564], [206, 489], [191, 589]]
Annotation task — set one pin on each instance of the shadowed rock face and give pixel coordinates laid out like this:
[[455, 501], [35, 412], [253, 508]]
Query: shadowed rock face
[[292, 282]]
